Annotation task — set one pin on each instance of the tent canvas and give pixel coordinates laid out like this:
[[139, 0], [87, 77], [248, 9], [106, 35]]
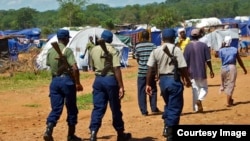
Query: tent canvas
[[216, 37], [78, 44], [80, 40], [41, 58]]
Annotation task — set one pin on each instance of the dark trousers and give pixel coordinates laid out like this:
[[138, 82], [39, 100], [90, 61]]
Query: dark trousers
[[106, 90], [172, 93], [63, 91], [142, 96]]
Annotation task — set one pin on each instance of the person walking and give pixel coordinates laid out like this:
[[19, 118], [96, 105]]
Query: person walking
[[142, 52], [198, 57], [89, 46], [63, 88], [229, 55], [171, 82], [108, 87]]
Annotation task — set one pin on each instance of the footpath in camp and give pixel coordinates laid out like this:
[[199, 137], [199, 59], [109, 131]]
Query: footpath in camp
[[25, 123]]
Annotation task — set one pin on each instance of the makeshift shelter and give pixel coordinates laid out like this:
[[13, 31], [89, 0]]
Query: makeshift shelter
[[216, 37], [29, 33], [23, 43], [78, 44], [135, 35]]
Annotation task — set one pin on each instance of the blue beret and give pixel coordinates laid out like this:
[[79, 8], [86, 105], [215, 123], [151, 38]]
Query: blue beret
[[107, 36], [62, 33], [168, 32]]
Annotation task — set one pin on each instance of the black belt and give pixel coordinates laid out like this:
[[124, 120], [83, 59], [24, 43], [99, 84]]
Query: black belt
[[168, 74], [104, 75], [62, 75]]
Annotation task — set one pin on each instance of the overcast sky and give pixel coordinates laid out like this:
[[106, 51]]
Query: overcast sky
[[44, 5]]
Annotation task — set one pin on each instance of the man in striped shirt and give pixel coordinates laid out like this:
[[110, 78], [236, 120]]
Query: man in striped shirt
[[142, 53]]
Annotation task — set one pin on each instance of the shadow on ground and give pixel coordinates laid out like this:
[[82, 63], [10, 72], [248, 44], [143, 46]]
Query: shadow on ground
[[144, 139], [133, 139], [204, 112]]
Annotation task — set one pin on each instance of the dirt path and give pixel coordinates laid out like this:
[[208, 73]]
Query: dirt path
[[25, 123]]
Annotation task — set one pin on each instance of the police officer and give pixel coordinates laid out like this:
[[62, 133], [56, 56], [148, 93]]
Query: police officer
[[107, 88], [171, 87], [63, 88]]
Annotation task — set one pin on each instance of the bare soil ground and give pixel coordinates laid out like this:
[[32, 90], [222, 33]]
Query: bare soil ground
[[24, 123]]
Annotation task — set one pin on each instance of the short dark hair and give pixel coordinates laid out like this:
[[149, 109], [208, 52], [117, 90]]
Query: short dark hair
[[145, 34], [168, 39]]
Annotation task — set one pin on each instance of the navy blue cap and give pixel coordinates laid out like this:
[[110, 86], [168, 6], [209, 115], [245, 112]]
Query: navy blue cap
[[107, 36], [63, 33], [168, 32]]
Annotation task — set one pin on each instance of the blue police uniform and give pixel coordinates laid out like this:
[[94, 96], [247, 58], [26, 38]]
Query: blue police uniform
[[106, 90], [171, 88], [62, 90]]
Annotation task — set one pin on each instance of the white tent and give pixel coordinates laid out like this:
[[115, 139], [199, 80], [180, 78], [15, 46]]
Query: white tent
[[41, 58], [199, 23], [78, 44]]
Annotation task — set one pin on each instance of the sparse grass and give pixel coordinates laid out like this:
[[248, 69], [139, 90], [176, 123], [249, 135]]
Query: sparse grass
[[84, 102], [32, 105], [216, 63], [23, 80]]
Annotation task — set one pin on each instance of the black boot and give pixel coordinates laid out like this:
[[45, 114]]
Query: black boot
[[169, 134], [165, 132], [48, 133], [93, 136], [123, 136], [71, 134]]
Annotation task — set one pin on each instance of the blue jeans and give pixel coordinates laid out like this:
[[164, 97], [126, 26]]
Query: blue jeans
[[63, 91], [172, 93], [142, 96], [106, 90]]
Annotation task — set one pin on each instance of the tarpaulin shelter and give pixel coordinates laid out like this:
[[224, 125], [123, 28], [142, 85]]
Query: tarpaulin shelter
[[135, 35], [216, 37], [28, 34]]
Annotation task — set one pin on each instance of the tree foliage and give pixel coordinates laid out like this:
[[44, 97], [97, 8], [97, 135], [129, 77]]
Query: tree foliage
[[77, 13]]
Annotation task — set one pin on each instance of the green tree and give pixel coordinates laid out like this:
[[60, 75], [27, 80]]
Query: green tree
[[109, 24], [70, 12], [167, 18], [25, 18]]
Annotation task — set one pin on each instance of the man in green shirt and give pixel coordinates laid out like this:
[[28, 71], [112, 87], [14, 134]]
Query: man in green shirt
[[63, 88]]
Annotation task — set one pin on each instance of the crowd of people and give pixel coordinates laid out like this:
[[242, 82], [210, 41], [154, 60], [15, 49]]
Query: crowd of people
[[175, 64]]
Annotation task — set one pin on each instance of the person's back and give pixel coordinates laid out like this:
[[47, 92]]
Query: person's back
[[108, 87], [142, 53], [197, 54], [228, 55], [64, 84], [171, 86]]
